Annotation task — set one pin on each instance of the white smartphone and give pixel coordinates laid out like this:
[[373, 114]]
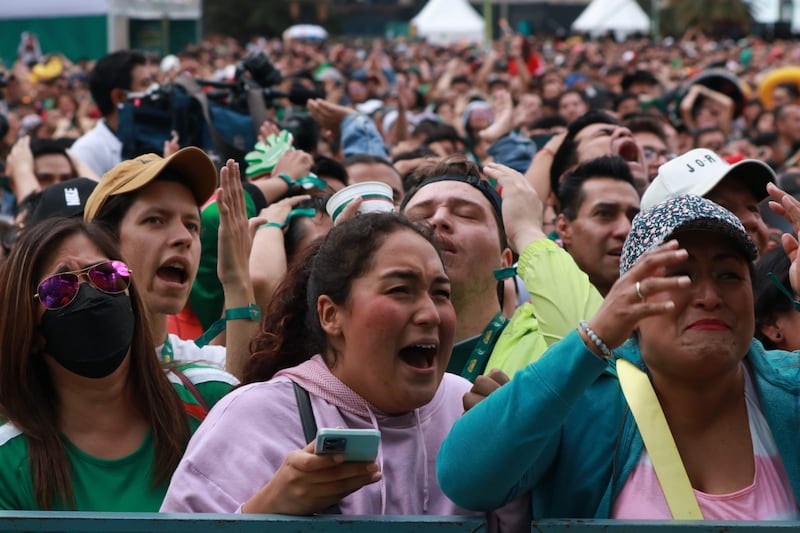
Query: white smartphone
[[357, 445]]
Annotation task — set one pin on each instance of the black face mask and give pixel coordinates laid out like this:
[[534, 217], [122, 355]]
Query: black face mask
[[92, 334]]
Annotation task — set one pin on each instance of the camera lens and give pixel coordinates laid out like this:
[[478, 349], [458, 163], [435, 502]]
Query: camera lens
[[334, 445]]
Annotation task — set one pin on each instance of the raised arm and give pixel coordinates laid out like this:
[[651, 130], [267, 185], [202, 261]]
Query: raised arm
[[19, 167], [561, 294], [508, 443], [232, 266], [268, 254], [788, 207]]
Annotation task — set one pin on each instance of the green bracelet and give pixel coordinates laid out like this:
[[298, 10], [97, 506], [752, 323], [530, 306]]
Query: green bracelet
[[311, 181], [287, 178], [307, 212], [270, 225], [251, 312], [300, 212], [305, 182]]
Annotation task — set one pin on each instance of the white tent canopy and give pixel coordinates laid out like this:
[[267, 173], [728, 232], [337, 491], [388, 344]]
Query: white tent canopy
[[623, 17], [312, 32], [448, 21], [769, 12]]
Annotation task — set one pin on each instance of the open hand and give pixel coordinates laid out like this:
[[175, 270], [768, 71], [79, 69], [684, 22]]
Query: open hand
[[522, 208], [626, 303], [788, 207], [234, 239]]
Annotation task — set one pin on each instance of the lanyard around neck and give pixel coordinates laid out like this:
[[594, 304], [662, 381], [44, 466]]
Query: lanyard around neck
[[476, 363], [167, 352]]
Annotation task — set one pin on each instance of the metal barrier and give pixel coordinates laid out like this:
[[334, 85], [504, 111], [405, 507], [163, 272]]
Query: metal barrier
[[228, 523]]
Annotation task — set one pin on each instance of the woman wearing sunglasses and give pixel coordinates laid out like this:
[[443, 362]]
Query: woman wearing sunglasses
[[91, 421]]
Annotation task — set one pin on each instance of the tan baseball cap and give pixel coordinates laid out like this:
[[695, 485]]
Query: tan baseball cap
[[191, 163]]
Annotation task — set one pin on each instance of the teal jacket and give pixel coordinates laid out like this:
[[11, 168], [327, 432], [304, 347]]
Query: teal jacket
[[562, 430]]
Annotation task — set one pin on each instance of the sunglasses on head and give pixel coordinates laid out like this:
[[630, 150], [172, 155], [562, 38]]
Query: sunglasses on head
[[57, 291]]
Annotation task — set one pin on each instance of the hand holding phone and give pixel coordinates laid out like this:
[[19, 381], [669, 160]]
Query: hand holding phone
[[357, 445], [306, 483]]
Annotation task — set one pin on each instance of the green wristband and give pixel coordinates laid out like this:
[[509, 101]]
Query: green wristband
[[251, 312], [287, 178], [300, 212], [270, 225], [311, 181]]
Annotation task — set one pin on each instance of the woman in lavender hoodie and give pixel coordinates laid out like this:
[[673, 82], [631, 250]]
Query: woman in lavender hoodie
[[365, 325]]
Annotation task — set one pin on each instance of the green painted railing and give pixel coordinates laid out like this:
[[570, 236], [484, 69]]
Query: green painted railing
[[229, 523], [224, 523]]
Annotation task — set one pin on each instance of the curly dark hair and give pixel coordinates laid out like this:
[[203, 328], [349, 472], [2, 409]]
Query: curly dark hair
[[291, 332]]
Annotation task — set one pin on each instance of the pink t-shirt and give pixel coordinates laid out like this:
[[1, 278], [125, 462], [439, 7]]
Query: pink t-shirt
[[769, 497]]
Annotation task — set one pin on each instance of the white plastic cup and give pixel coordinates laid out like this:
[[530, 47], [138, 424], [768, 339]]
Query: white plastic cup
[[377, 198]]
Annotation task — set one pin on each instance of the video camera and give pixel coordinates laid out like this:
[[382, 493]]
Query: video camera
[[255, 72], [217, 116]]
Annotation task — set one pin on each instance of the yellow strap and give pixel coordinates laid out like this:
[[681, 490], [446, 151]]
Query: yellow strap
[[658, 440]]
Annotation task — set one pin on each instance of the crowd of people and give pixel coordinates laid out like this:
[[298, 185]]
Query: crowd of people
[[580, 303]]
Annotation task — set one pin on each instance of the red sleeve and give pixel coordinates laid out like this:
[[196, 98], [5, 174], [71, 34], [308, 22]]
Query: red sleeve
[[533, 63]]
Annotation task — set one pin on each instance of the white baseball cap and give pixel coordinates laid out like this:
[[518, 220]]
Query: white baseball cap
[[169, 63], [700, 170]]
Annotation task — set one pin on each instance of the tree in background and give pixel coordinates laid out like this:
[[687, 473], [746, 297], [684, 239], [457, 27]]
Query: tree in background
[[715, 18], [243, 19]]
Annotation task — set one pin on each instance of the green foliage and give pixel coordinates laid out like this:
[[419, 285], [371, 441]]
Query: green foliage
[[243, 19], [718, 18]]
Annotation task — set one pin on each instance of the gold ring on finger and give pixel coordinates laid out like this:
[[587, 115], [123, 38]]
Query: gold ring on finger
[[639, 290]]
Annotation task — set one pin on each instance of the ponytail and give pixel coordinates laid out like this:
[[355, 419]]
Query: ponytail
[[290, 332]]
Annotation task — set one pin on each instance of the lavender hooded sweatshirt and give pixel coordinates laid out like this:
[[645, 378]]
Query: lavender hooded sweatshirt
[[249, 432]]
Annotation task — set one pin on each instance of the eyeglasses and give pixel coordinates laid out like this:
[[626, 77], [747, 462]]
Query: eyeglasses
[[782, 288], [110, 277], [651, 154]]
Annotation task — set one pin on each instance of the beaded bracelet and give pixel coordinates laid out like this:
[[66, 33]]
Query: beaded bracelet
[[595, 339]]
